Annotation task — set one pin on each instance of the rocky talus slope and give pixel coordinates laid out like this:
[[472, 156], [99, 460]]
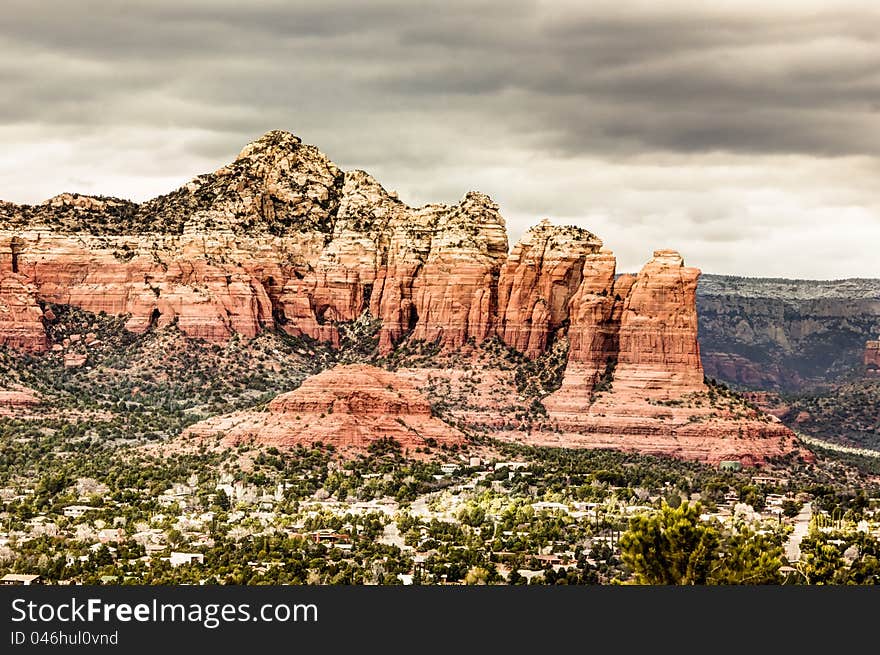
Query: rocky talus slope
[[282, 239]]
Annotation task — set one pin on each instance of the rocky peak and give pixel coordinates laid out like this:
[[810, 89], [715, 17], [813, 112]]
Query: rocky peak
[[473, 225], [282, 236], [272, 144], [557, 238], [366, 206], [667, 258], [276, 185]]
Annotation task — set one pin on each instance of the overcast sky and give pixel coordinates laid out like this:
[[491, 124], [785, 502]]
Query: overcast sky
[[746, 136]]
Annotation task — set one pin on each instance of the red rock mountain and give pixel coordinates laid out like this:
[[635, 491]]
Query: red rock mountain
[[282, 237], [349, 407]]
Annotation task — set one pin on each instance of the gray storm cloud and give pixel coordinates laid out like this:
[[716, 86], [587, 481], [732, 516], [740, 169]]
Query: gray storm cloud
[[745, 135]]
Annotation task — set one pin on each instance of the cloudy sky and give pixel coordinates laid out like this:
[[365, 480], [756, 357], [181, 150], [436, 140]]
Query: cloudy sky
[[747, 135]]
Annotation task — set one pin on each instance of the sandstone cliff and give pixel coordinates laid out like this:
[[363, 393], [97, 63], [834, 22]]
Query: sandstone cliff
[[658, 328], [282, 238], [539, 278], [350, 407], [21, 319], [872, 357]]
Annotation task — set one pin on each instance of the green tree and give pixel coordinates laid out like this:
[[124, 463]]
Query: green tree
[[748, 558], [670, 547], [791, 508], [821, 562], [476, 576], [673, 546], [222, 500]]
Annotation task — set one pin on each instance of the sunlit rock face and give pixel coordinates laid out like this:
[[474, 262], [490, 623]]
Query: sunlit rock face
[[350, 407]]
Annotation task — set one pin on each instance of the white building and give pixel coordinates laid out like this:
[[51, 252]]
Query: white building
[[179, 559], [19, 579]]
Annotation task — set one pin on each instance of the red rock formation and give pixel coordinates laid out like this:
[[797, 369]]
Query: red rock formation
[[74, 360], [349, 406], [872, 357], [638, 333], [208, 299], [752, 441], [704, 426], [693, 425], [326, 246], [21, 324], [593, 335], [282, 237], [542, 273], [634, 380], [453, 294], [16, 399], [21, 319], [658, 328]]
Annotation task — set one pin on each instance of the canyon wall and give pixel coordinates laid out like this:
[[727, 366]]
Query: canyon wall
[[786, 335], [21, 318]]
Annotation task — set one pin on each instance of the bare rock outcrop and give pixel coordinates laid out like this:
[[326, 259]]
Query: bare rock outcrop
[[636, 334], [21, 318], [350, 407], [541, 275], [634, 379], [658, 328], [279, 236], [17, 398], [872, 357]]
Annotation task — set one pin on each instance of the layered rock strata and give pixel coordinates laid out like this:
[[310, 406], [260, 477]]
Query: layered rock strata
[[279, 237], [282, 237], [350, 407], [16, 399], [872, 357], [658, 328], [540, 277], [786, 335], [21, 318], [634, 379]]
